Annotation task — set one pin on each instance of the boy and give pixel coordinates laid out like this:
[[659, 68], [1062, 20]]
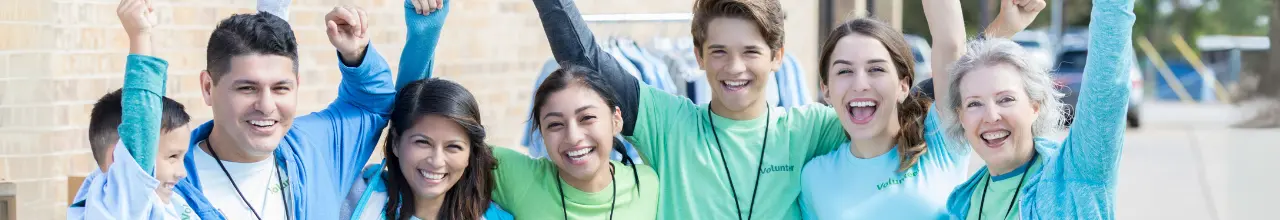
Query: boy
[[132, 181]]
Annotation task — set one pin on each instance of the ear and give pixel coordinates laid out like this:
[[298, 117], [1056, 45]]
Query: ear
[[206, 87], [905, 90], [617, 120], [697, 54], [778, 57], [826, 92]]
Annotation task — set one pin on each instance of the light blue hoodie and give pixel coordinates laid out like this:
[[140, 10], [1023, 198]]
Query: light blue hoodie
[[1078, 177], [127, 189]]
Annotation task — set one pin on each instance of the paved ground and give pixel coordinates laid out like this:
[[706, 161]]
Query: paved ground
[[1185, 163]]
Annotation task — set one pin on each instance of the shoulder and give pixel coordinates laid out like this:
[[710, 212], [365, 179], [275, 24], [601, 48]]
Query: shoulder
[[822, 163]]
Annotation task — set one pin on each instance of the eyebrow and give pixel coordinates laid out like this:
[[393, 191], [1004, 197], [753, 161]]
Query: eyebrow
[[558, 114], [254, 82], [997, 93], [877, 61]]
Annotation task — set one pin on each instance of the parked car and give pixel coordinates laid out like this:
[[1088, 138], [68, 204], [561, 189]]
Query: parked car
[[921, 50], [1070, 71]]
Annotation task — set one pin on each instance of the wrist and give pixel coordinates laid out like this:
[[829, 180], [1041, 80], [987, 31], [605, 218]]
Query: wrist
[[353, 57]]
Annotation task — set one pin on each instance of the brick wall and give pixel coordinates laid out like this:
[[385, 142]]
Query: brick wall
[[58, 56]]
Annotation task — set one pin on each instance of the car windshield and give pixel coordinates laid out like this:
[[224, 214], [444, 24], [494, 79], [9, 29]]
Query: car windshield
[[1029, 44], [1072, 61]]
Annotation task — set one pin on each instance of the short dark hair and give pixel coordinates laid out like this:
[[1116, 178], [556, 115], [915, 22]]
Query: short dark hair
[[247, 34], [766, 14], [105, 118]]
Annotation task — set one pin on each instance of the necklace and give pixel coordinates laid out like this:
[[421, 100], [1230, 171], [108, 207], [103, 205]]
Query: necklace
[[237, 187], [564, 207], [759, 167], [983, 202]]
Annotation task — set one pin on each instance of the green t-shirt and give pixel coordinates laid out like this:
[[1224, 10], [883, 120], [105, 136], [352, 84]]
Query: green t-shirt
[[675, 137], [527, 188], [1000, 194]]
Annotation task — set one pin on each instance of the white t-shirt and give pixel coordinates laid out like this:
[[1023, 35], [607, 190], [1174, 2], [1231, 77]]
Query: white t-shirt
[[258, 182]]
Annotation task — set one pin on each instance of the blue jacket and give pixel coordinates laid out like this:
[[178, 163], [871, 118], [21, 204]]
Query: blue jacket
[[323, 152], [1078, 177]]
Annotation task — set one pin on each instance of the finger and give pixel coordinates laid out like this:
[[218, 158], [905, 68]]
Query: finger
[[417, 7], [344, 16], [1040, 5], [333, 28], [440, 4], [364, 22]]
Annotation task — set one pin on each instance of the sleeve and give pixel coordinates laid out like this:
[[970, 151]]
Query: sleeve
[[514, 176], [818, 128], [125, 191], [419, 54], [572, 42], [935, 138], [346, 132], [143, 106], [665, 114], [1092, 148]]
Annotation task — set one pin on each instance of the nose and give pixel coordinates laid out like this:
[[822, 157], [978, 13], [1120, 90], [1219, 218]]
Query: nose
[[266, 103], [860, 81], [990, 115], [182, 172], [736, 65], [574, 134], [435, 157]]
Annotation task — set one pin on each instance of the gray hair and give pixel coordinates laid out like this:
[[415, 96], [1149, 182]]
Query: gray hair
[[1036, 79]]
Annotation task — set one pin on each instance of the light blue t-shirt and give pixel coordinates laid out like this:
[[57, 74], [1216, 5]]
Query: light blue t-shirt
[[839, 185]]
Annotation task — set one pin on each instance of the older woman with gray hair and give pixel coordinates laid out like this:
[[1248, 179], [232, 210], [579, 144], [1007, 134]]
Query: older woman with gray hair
[[1004, 106]]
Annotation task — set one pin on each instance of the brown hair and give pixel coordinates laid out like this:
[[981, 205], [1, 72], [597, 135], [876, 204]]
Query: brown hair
[[766, 14], [469, 198], [913, 110]]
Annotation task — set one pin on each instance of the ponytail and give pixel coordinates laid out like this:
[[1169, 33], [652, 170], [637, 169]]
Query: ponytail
[[621, 148], [910, 140]]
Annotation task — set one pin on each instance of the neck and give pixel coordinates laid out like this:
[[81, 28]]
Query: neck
[[751, 112], [1002, 167], [876, 145], [595, 183], [227, 151], [427, 208]]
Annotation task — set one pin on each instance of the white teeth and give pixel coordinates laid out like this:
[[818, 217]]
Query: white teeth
[[430, 175], [579, 152], [736, 82], [262, 123], [995, 135], [862, 104]]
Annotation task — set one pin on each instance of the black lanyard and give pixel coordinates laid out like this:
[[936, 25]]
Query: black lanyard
[[564, 207], [759, 167], [279, 180], [983, 203]]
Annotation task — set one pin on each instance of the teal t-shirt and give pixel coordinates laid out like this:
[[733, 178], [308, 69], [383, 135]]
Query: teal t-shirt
[[675, 137], [1000, 192], [839, 185]]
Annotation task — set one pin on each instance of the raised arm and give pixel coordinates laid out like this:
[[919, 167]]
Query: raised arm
[[571, 41], [423, 20], [144, 84], [346, 132], [1015, 16], [946, 25], [1097, 136]]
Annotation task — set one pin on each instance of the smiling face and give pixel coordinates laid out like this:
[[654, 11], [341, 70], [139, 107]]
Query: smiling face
[[865, 87], [433, 155], [738, 62], [170, 160], [578, 128], [253, 103], [996, 113]]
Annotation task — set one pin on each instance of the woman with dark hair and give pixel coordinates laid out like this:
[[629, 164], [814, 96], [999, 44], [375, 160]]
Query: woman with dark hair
[[437, 165], [579, 119], [898, 163]]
